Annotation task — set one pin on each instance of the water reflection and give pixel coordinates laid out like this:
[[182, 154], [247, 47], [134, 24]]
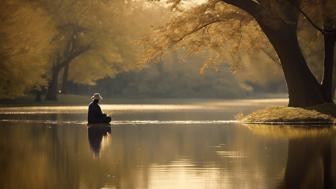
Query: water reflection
[[310, 156], [165, 156], [309, 163], [98, 136]]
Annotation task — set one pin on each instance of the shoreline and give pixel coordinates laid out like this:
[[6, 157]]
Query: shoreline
[[323, 114], [273, 110], [84, 100]]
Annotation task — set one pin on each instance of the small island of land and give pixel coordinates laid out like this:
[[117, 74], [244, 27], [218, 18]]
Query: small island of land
[[320, 114]]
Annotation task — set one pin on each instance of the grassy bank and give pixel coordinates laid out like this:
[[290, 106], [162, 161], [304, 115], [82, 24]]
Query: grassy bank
[[321, 114]]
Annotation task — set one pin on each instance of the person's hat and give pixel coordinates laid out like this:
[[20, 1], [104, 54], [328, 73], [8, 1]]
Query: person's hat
[[96, 96]]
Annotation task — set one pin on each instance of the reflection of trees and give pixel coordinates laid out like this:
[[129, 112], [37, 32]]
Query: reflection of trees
[[34, 157], [197, 145], [309, 163], [310, 155], [44, 156], [63, 157]]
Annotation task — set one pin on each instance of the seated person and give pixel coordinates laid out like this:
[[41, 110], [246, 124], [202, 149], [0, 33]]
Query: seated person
[[95, 114]]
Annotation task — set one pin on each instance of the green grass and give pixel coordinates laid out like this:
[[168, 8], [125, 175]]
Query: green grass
[[277, 115]]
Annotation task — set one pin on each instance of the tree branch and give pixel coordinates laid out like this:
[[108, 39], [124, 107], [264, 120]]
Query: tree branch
[[73, 55], [249, 6], [202, 26], [196, 30], [323, 31]]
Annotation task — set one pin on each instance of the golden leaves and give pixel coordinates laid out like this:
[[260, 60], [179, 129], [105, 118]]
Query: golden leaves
[[222, 32], [25, 50]]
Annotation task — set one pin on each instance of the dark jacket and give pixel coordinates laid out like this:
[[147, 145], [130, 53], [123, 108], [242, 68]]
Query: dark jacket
[[95, 114]]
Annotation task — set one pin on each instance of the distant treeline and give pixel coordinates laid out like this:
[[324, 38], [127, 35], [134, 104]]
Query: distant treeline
[[178, 80]]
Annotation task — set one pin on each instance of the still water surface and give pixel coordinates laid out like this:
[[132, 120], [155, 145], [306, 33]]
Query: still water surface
[[194, 144]]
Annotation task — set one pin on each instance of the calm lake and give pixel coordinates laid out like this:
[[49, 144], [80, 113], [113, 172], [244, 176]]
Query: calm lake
[[171, 144]]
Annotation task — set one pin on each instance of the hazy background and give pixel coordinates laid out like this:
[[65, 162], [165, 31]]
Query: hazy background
[[95, 46]]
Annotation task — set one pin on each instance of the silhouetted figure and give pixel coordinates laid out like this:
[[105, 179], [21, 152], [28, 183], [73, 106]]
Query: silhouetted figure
[[95, 114], [95, 136]]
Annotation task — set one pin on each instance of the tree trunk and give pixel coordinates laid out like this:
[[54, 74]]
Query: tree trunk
[[65, 79], [329, 46], [303, 88], [38, 95], [53, 85]]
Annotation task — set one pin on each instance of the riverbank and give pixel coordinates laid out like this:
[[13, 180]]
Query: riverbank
[[29, 100], [321, 114], [64, 100], [69, 100]]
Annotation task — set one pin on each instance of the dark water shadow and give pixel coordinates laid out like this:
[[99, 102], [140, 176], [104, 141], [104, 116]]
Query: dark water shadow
[[96, 134], [311, 151]]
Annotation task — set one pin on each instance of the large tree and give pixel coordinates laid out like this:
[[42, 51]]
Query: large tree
[[86, 42], [235, 29]]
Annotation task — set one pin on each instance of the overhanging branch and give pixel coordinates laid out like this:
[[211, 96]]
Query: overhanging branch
[[324, 31], [249, 6]]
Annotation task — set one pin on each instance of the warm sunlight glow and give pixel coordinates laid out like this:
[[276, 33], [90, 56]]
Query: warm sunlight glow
[[167, 94]]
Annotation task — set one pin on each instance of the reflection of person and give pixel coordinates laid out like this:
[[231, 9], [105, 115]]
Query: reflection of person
[[95, 114], [95, 136]]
